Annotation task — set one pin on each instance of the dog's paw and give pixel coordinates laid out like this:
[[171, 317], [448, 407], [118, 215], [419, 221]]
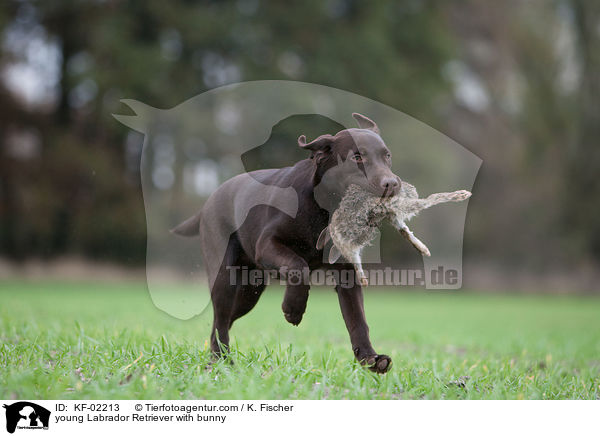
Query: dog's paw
[[294, 303], [219, 357], [293, 318], [378, 363], [293, 310], [220, 352]]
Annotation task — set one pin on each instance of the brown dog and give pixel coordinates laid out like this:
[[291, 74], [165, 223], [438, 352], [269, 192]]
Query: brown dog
[[266, 233]]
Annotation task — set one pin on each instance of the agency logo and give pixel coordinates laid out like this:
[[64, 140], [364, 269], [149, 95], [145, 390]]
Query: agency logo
[[26, 415]]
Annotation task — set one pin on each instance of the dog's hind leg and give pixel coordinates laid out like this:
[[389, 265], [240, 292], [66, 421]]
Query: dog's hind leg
[[245, 299], [223, 293]]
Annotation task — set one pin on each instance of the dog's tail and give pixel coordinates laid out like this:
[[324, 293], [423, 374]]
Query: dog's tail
[[190, 227]]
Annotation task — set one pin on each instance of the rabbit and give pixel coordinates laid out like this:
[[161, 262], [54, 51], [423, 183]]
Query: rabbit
[[354, 223]]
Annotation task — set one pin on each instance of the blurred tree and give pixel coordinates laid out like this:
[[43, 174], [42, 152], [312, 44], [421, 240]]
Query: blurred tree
[[583, 183], [517, 83], [540, 157], [77, 193]]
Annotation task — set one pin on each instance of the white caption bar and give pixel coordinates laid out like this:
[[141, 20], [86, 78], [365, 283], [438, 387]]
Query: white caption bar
[[285, 418]]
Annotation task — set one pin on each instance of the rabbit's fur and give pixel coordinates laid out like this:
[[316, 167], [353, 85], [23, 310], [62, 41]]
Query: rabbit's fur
[[354, 223]]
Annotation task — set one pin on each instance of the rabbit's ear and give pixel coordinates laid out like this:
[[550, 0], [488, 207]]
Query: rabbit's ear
[[324, 238], [334, 254]]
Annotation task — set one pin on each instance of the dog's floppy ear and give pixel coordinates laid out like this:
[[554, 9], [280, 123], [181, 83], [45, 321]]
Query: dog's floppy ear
[[365, 123], [322, 143], [319, 147]]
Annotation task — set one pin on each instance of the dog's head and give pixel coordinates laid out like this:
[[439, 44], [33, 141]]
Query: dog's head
[[354, 157]]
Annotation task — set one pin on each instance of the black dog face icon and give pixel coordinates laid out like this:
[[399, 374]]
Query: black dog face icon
[[27, 415]]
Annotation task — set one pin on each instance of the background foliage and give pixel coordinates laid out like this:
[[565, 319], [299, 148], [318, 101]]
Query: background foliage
[[514, 82]]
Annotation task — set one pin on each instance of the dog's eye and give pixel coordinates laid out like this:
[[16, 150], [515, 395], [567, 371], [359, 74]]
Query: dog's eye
[[388, 156], [357, 158]]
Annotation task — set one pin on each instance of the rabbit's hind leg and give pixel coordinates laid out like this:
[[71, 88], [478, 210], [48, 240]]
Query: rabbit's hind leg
[[360, 274], [410, 237]]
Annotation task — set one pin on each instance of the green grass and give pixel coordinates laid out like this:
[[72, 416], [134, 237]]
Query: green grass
[[108, 341]]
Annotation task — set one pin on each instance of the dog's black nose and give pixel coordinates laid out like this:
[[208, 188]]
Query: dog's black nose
[[390, 185]]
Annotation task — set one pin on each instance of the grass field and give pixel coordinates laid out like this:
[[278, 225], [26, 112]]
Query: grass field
[[67, 341]]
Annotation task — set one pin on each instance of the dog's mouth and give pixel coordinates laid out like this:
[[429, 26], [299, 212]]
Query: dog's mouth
[[390, 192], [383, 193], [386, 193]]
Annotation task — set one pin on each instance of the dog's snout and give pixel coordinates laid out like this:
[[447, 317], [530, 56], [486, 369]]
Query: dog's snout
[[390, 182], [390, 185]]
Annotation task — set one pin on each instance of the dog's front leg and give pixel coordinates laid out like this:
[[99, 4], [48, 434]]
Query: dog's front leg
[[272, 254], [350, 296]]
